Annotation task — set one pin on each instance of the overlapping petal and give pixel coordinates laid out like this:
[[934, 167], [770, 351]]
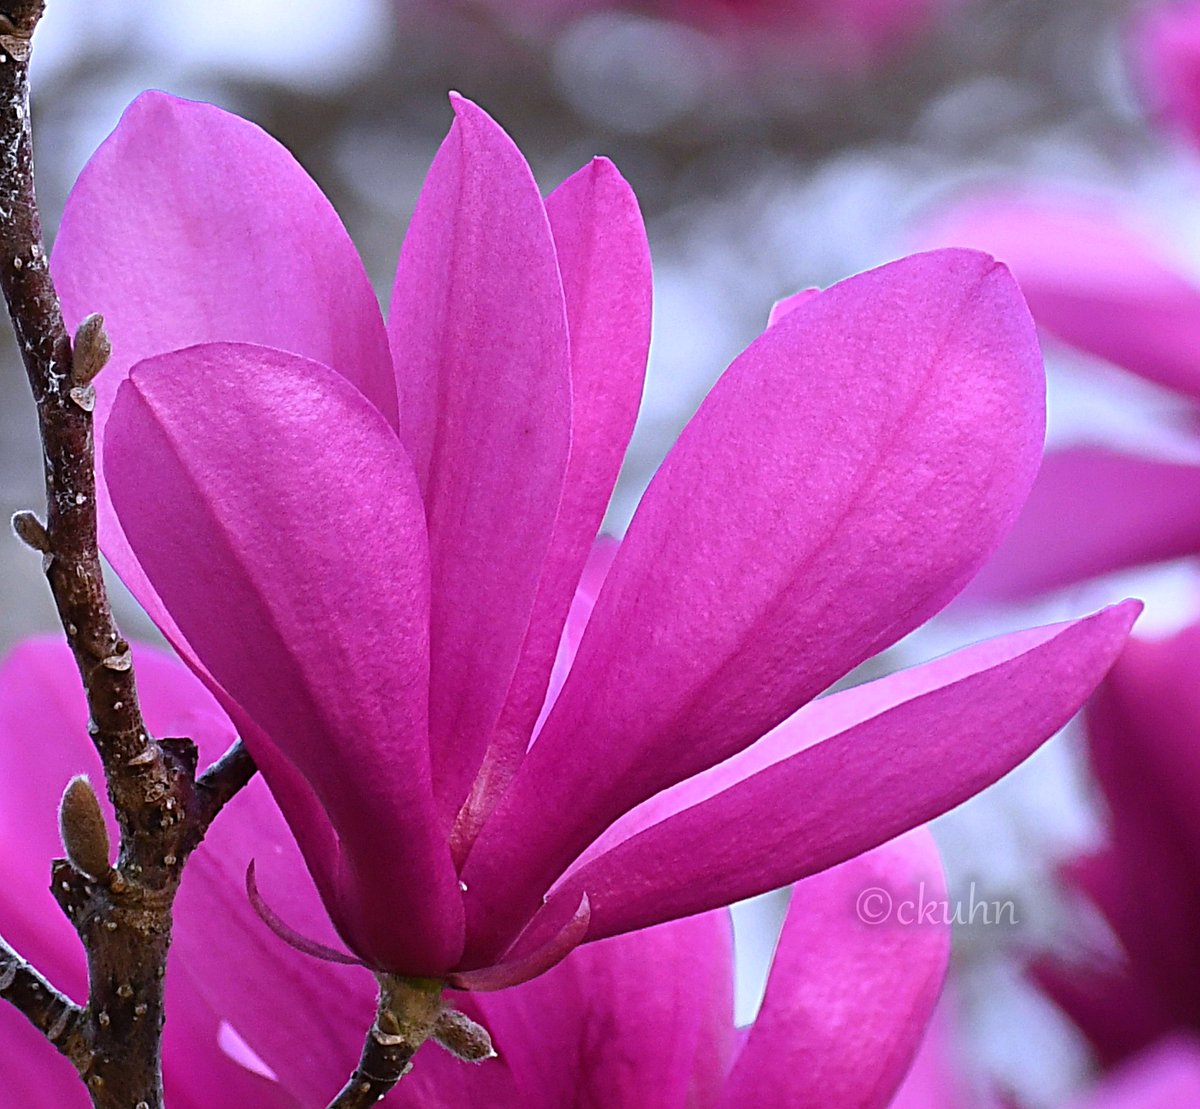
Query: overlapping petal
[[43, 743], [605, 264], [869, 763], [845, 478], [191, 225], [478, 331], [284, 530]]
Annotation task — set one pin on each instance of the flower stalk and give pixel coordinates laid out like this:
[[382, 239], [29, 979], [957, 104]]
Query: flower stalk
[[408, 1013]]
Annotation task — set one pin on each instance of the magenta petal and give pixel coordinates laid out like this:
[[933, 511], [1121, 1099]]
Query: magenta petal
[[537, 961], [43, 720], [479, 337], [605, 264], [298, 1019], [843, 480], [1142, 728], [849, 995], [637, 1021], [1093, 511], [1092, 278], [1165, 39], [298, 577], [869, 763], [190, 225]]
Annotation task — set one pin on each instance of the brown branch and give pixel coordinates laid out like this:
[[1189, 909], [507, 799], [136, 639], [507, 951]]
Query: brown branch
[[219, 784], [406, 1017], [410, 1011], [124, 915], [52, 1013]]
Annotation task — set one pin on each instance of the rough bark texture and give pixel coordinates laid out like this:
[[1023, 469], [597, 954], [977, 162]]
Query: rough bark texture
[[408, 1013], [124, 916]]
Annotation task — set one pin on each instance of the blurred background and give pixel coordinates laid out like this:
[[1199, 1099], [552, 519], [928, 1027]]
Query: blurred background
[[774, 146]]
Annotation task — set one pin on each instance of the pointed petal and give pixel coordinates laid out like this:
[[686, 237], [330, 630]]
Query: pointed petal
[[851, 991], [874, 444], [298, 576], [479, 337], [1093, 511], [1092, 278], [605, 263], [537, 961], [869, 763]]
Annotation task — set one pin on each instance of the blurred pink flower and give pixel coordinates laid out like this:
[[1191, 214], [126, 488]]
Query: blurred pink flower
[[1164, 1076], [1165, 43], [826, 34], [645, 1019], [1142, 729], [366, 541], [1096, 282]]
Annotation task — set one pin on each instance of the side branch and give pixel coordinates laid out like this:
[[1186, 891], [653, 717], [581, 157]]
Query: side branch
[[218, 785], [54, 1014]]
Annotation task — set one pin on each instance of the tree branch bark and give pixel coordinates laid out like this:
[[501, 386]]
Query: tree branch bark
[[163, 812]]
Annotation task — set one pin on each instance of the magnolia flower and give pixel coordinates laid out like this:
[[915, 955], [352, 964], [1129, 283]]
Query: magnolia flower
[[1142, 727], [366, 541], [1165, 43], [635, 1020], [1099, 284]]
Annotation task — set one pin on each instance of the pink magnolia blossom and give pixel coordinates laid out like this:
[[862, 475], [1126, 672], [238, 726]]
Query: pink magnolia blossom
[[1097, 283], [637, 1020], [1165, 43], [1142, 732], [366, 540]]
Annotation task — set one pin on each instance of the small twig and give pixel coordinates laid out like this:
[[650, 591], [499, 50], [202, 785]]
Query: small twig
[[219, 784], [407, 1014], [52, 1013], [410, 1011]]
